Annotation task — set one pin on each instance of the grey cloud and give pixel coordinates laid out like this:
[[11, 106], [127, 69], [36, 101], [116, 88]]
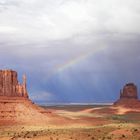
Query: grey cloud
[[38, 37]]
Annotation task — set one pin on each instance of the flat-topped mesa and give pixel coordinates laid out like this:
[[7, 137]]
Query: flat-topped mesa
[[129, 91], [9, 85]]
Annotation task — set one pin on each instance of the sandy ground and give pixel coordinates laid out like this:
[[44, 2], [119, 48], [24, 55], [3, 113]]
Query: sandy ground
[[124, 131], [99, 123]]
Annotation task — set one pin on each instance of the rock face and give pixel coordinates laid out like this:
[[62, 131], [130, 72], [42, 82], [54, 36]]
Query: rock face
[[129, 91], [9, 85], [129, 96], [15, 106]]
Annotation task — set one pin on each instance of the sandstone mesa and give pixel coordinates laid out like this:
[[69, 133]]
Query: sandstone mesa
[[9, 85], [15, 105], [128, 96]]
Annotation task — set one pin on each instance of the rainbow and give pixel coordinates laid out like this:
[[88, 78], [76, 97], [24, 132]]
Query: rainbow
[[75, 60]]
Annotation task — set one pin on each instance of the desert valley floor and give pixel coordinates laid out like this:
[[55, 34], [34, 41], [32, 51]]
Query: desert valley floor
[[75, 122]]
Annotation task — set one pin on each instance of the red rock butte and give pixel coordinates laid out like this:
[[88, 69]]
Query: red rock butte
[[9, 85], [15, 105], [129, 96], [129, 91]]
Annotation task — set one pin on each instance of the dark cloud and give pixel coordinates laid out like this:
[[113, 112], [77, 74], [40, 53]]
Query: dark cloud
[[96, 78], [72, 51]]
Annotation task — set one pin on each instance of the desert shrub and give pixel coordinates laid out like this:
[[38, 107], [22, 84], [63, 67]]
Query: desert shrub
[[117, 117], [135, 130], [103, 138], [34, 134], [109, 137]]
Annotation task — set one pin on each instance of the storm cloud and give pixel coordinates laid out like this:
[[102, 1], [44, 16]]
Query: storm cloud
[[71, 50]]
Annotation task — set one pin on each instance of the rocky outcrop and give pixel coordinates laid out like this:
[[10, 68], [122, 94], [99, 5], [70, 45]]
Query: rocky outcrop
[[9, 85], [15, 105], [129, 91], [129, 96]]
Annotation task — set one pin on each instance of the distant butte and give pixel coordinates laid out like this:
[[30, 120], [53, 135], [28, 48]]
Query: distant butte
[[15, 105], [128, 96]]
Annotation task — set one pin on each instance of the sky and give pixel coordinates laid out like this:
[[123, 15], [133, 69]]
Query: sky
[[72, 51]]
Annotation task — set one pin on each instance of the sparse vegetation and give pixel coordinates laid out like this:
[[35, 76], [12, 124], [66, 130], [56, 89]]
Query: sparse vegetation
[[113, 127]]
